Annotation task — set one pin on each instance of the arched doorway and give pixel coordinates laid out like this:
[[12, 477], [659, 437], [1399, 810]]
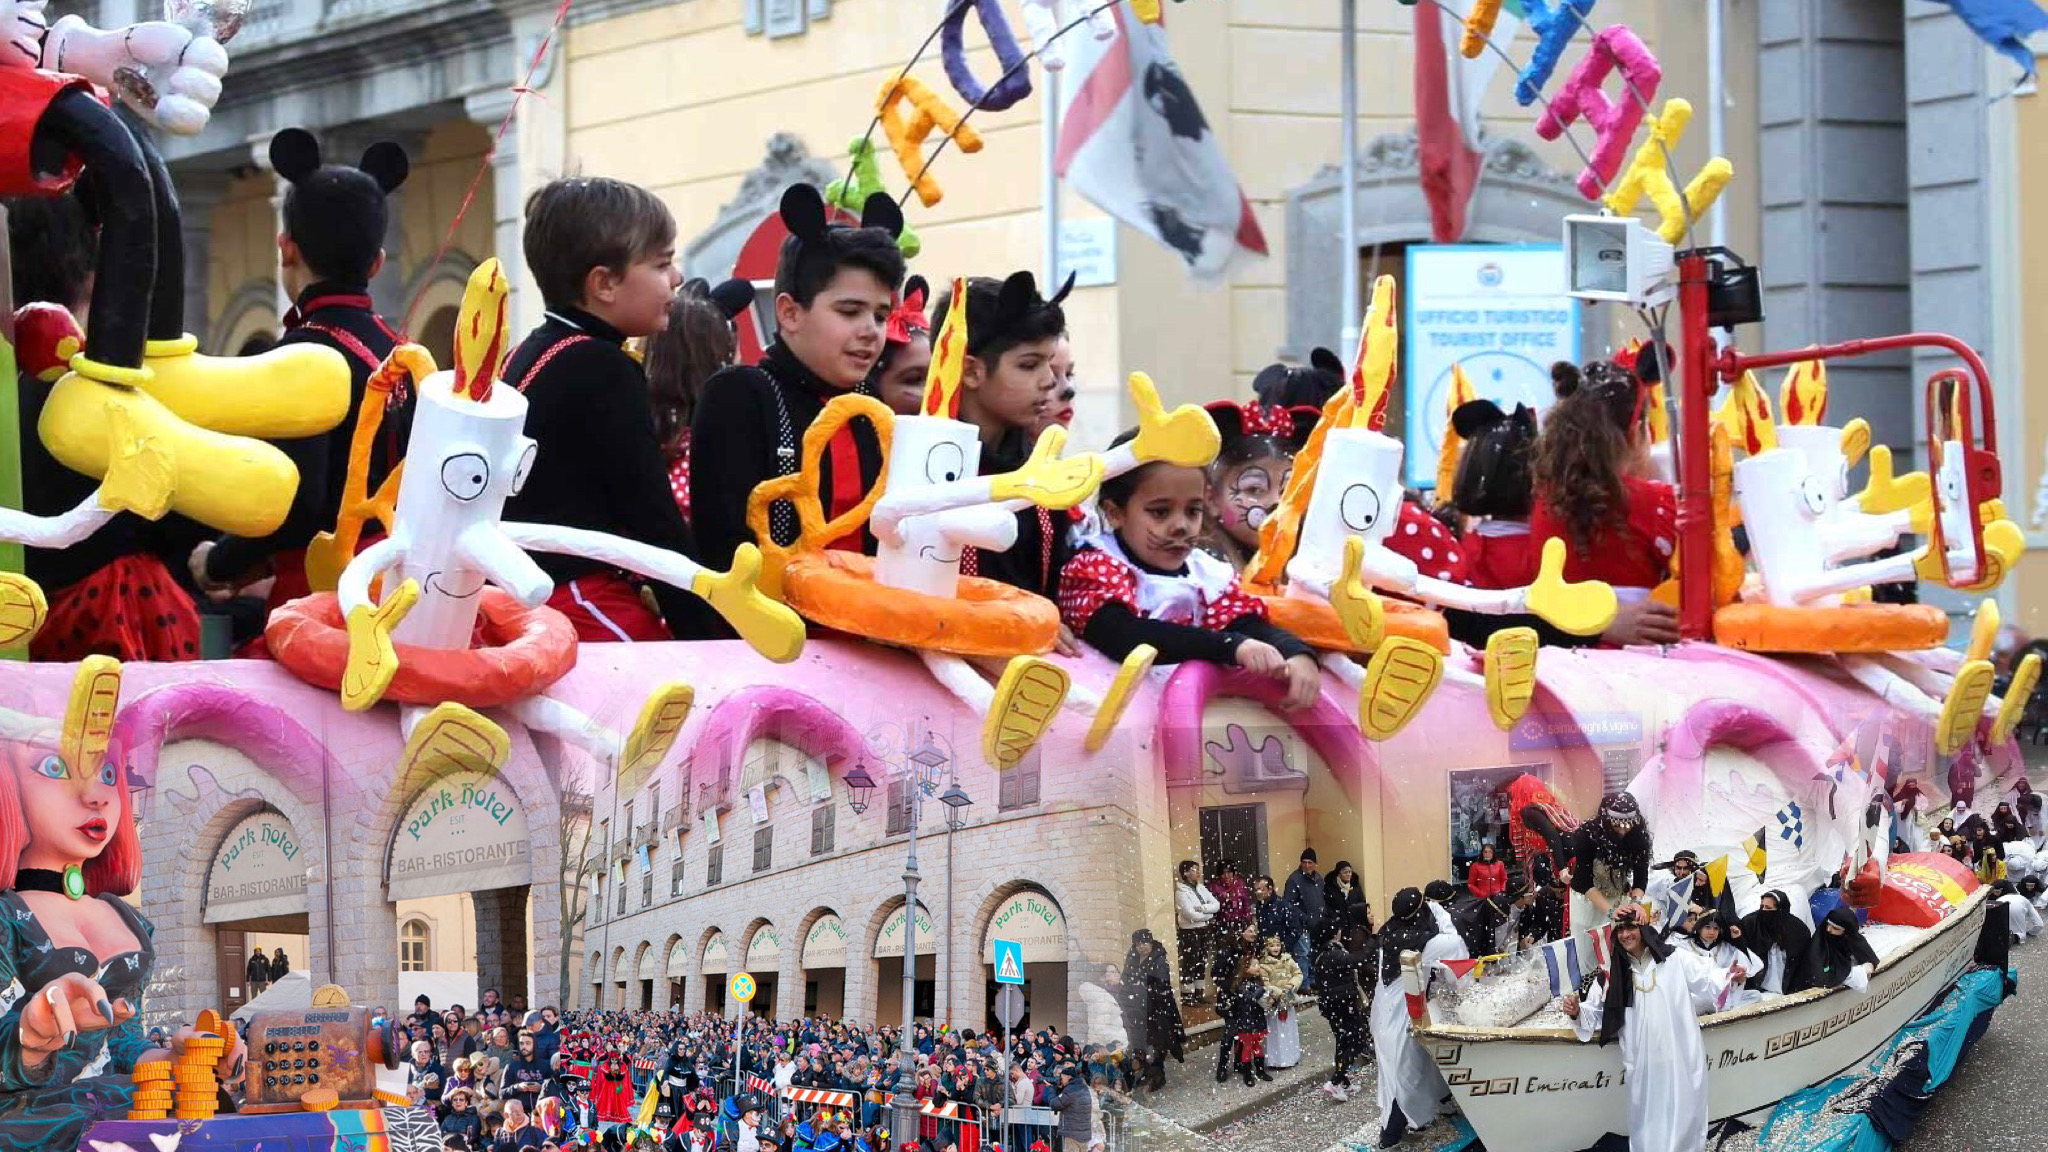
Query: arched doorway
[[712, 967], [677, 971], [1033, 919], [824, 964], [888, 956], [649, 966], [594, 973], [256, 900], [461, 858], [764, 961]]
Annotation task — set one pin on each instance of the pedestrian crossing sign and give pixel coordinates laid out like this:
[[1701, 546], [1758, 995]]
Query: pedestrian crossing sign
[[1009, 962]]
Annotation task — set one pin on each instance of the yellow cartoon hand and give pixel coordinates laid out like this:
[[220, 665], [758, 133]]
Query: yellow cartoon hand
[[1581, 609], [1185, 436], [22, 609], [1048, 481], [2003, 544], [770, 626], [372, 661], [1358, 607], [142, 471], [1885, 493]]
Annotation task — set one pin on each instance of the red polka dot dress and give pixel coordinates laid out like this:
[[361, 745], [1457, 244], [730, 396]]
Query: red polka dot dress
[[1210, 596], [679, 478], [1435, 549]]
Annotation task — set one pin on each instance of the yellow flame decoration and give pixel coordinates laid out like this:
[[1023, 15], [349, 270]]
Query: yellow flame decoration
[[480, 330], [1803, 397], [1746, 414], [1372, 373], [1454, 444], [949, 358]]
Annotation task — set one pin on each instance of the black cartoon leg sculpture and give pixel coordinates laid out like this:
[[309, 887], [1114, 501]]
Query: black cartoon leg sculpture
[[125, 201]]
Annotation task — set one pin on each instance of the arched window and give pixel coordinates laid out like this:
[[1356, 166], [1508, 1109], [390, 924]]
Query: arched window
[[412, 946]]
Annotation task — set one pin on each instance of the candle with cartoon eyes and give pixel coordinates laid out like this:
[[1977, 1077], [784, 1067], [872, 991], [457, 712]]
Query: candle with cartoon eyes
[[74, 957]]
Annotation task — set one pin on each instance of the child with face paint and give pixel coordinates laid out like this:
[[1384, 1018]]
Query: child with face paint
[[1250, 472], [899, 376]]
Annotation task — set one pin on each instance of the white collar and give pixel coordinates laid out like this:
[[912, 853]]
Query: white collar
[[1178, 599]]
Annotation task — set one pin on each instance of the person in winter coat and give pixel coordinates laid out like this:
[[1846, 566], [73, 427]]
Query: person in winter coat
[[1345, 955], [1232, 951], [1076, 1106], [1304, 893], [1487, 875], [1234, 904], [280, 967], [1244, 1020], [1344, 900], [1194, 920], [259, 973], [1151, 1014], [1274, 916]]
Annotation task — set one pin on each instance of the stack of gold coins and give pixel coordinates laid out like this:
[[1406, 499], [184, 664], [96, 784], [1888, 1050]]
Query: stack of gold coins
[[152, 1091], [194, 1075]]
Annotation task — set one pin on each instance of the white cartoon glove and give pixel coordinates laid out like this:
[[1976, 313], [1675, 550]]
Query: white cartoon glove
[[166, 72]]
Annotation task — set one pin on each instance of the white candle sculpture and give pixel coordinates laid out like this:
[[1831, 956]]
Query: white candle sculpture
[[1353, 506], [467, 454]]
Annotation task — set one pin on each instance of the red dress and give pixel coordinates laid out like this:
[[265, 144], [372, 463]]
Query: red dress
[[1499, 554], [1210, 596], [679, 476], [611, 1090], [1422, 538], [1633, 554], [130, 610]]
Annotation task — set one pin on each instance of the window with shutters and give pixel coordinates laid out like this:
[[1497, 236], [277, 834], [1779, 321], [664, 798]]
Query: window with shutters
[[675, 876], [622, 897], [714, 866], [823, 821], [597, 900], [764, 848], [647, 886], [899, 807], [412, 947], [1019, 787]]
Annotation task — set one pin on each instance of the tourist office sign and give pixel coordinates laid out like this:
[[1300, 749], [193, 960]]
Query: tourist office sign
[[465, 833]]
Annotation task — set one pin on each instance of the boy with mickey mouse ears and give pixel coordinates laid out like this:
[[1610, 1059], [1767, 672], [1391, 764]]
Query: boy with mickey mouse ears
[[835, 286], [335, 218]]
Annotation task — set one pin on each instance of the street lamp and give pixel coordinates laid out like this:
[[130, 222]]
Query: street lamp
[[925, 767]]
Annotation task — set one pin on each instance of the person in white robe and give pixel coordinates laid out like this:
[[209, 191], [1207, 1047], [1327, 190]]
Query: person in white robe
[[1410, 1086], [1650, 1005], [1672, 886], [1907, 805], [1709, 940], [2024, 920], [1282, 977]]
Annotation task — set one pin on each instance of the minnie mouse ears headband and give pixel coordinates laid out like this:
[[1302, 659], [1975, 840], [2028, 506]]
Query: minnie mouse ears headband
[[1476, 416], [804, 213], [295, 155], [908, 317], [1236, 421]]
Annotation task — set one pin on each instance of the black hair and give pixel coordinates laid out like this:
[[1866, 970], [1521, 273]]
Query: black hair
[[816, 248], [55, 249], [334, 213], [1288, 385], [575, 225], [1493, 477], [1118, 490], [1002, 314]]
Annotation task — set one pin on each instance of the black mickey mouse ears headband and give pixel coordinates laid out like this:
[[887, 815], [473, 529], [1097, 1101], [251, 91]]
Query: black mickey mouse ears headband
[[804, 213], [1017, 301], [295, 155]]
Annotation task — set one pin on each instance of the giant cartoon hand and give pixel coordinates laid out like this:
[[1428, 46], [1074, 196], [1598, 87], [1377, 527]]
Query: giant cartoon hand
[[1886, 493], [141, 470], [372, 661], [1185, 436], [61, 1009], [1048, 481], [1581, 609], [770, 626], [1358, 607], [169, 74], [22, 25]]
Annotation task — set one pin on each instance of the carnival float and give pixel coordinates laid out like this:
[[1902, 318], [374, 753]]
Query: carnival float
[[1780, 728]]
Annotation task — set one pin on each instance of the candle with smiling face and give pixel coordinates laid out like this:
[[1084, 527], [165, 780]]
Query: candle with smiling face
[[1357, 493], [925, 452]]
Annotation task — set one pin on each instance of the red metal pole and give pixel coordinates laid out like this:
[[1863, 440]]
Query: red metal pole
[[1695, 454]]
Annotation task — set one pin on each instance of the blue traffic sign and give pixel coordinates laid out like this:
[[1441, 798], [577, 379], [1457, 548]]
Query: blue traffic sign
[[1009, 961]]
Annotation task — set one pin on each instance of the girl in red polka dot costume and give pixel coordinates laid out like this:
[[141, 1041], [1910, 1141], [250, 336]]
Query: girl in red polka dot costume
[[1143, 581]]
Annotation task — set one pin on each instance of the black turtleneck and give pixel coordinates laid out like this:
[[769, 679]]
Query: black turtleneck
[[337, 315], [599, 464], [735, 442]]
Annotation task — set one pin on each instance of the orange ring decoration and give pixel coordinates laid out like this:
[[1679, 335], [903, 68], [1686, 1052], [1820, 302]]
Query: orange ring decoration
[[986, 618], [1317, 624], [1847, 628], [814, 531], [526, 650]]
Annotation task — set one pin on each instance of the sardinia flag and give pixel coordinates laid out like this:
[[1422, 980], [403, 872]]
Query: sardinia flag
[[1449, 90], [1134, 143]]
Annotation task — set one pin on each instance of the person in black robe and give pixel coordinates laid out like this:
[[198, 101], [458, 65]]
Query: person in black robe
[[1773, 926], [1838, 954], [1339, 966]]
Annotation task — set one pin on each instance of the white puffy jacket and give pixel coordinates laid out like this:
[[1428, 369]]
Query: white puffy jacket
[[1193, 906]]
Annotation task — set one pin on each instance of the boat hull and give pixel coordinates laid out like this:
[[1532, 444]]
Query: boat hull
[[1541, 1090]]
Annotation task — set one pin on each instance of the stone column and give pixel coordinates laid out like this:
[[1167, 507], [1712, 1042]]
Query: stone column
[[199, 193], [501, 957]]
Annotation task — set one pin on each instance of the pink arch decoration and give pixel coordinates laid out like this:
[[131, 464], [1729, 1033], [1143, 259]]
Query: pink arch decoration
[[1736, 725], [215, 711], [795, 718], [1333, 735]]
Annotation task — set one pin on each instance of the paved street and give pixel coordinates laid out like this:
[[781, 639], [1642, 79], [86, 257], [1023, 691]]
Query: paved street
[[1982, 1110]]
